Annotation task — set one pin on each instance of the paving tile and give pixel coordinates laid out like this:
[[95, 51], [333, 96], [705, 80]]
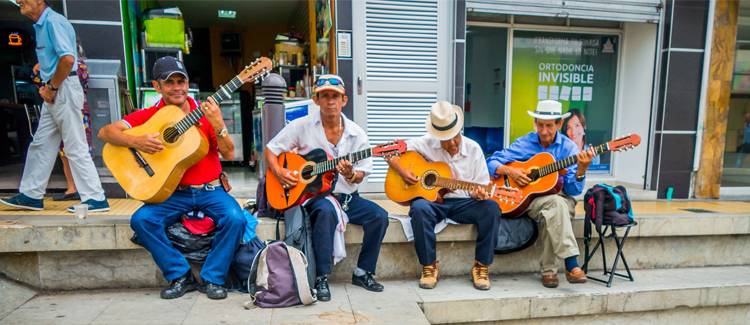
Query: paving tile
[[336, 311], [397, 304]]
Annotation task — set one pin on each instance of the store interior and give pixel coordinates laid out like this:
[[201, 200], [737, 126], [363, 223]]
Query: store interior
[[216, 40]]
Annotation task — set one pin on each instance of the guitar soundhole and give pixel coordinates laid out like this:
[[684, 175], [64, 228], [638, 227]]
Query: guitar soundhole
[[534, 174], [307, 172], [429, 179], [171, 135]]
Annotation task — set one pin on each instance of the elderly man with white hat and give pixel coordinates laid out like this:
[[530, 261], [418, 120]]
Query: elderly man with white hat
[[554, 211], [444, 142]]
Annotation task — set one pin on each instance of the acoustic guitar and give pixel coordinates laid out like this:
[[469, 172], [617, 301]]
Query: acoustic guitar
[[544, 173], [152, 178], [434, 179], [316, 173]]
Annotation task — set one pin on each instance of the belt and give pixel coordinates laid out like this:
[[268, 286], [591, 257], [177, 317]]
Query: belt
[[72, 73], [210, 185]]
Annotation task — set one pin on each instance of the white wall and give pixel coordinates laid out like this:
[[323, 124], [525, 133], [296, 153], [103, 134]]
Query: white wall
[[633, 111]]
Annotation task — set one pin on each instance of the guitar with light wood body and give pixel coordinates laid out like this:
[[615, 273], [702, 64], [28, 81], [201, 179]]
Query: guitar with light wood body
[[152, 178], [434, 179]]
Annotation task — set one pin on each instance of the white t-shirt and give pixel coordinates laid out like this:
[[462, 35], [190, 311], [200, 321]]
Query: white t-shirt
[[306, 134]]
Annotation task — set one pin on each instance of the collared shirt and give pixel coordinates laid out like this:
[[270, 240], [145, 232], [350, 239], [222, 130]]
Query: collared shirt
[[206, 169], [55, 38], [528, 145], [307, 133], [467, 165]]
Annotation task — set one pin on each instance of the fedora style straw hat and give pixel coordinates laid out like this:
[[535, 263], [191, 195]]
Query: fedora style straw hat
[[445, 120], [548, 110]]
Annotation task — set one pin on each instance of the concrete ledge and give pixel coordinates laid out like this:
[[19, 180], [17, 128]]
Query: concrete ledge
[[39, 234], [522, 297]]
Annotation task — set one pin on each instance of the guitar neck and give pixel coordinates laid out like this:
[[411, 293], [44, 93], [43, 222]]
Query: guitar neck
[[329, 165], [565, 163], [224, 93], [455, 184]]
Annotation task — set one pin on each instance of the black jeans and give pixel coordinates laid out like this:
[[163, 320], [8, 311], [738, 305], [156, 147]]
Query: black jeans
[[372, 218]]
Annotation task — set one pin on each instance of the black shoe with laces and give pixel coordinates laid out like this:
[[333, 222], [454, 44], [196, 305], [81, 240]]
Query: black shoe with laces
[[367, 281], [213, 291], [179, 287], [321, 286]]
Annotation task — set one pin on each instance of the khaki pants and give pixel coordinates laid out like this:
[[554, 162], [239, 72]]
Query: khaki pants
[[554, 213]]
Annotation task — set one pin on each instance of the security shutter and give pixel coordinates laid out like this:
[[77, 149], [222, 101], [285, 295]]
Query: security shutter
[[616, 10], [402, 72]]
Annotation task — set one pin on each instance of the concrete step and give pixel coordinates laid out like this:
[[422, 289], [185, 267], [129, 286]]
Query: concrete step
[[54, 252], [708, 295], [675, 296]]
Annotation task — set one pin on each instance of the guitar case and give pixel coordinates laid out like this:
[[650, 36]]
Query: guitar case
[[515, 234]]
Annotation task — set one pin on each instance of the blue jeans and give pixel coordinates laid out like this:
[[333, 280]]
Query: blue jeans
[[372, 218], [425, 215], [151, 220]]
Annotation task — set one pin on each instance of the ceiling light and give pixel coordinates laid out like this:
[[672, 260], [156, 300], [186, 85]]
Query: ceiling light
[[231, 14]]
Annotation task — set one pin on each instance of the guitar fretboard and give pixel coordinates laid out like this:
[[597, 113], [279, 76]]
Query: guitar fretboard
[[224, 93], [455, 184], [560, 164], [328, 165]]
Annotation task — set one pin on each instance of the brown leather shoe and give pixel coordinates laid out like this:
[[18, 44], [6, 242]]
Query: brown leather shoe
[[480, 276], [576, 275], [550, 280], [429, 277]]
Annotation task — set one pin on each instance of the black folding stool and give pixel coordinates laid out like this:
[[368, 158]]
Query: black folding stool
[[619, 242]]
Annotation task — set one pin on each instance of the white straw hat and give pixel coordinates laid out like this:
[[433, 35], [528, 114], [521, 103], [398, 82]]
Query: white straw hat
[[445, 120], [548, 110]]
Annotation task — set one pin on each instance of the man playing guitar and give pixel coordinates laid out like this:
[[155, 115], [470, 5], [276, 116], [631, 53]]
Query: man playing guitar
[[337, 136], [445, 143], [553, 211], [199, 189]]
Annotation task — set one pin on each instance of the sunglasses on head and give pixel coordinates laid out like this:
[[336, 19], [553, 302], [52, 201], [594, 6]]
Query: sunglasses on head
[[330, 81]]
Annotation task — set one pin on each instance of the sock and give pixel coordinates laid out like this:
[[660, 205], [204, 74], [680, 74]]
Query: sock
[[571, 262], [359, 272]]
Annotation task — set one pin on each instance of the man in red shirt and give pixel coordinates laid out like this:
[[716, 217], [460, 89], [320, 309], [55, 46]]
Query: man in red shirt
[[199, 189]]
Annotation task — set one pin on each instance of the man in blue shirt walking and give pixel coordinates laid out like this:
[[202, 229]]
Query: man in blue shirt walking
[[554, 211], [61, 115]]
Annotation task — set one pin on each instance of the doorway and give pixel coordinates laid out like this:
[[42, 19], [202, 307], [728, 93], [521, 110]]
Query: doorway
[[485, 89]]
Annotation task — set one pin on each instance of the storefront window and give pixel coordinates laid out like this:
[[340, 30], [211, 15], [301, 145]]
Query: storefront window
[[736, 171], [579, 70]]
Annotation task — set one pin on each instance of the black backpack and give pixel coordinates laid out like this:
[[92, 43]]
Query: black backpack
[[606, 205]]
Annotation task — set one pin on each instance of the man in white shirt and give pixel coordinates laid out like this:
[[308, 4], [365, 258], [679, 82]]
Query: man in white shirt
[[445, 143], [337, 136]]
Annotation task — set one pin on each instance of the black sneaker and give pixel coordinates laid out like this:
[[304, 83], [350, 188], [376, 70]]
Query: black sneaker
[[66, 197], [179, 287], [321, 286], [367, 281], [213, 291]]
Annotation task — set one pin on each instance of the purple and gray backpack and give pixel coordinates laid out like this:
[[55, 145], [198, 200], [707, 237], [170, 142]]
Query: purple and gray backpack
[[278, 277]]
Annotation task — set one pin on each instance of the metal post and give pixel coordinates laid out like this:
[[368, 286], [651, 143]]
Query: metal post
[[273, 116]]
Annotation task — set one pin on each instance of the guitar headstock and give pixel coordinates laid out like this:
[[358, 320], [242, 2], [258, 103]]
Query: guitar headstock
[[624, 143], [257, 70], [508, 194], [389, 149]]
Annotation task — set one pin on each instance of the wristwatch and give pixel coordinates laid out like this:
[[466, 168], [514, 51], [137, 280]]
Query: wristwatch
[[223, 133], [51, 87], [580, 178]]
